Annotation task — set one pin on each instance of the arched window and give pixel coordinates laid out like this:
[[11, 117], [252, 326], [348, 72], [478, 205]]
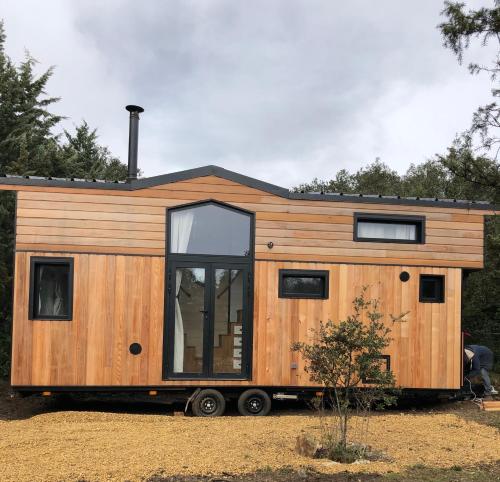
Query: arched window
[[208, 330], [209, 228]]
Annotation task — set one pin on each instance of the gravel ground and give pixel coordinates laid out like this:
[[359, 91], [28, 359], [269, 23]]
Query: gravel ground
[[48, 442]]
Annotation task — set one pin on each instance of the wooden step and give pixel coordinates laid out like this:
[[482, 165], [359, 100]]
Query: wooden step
[[491, 405]]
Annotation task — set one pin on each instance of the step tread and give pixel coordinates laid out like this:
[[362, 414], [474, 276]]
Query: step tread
[[491, 405]]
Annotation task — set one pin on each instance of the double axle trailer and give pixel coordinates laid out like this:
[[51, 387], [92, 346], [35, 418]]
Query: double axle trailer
[[203, 279]]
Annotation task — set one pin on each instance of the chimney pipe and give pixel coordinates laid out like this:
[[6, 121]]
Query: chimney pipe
[[133, 140]]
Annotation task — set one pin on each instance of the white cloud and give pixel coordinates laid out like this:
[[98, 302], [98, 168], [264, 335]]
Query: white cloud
[[283, 91]]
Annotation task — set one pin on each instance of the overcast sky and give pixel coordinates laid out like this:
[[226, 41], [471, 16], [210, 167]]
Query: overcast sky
[[279, 90]]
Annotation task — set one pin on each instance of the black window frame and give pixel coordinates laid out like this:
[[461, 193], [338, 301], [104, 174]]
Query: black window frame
[[383, 358], [440, 298], [304, 273], [220, 204], [36, 261], [209, 262], [418, 221]]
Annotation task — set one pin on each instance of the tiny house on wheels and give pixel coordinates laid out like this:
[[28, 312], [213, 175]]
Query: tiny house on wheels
[[197, 283]]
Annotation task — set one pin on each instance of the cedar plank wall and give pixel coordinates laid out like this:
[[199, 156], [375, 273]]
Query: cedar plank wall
[[134, 223], [93, 348]]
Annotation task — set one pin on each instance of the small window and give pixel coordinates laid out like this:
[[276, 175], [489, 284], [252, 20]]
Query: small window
[[431, 288], [51, 289], [384, 360], [298, 283], [380, 228]]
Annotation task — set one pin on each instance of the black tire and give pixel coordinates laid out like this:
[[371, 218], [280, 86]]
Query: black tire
[[209, 403], [254, 402]]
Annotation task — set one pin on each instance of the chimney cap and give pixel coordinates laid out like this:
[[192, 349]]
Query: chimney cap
[[134, 108]]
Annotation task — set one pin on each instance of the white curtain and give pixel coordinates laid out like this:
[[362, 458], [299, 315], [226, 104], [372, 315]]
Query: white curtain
[[179, 327], [58, 299], [50, 292], [387, 231], [41, 298], [180, 231]]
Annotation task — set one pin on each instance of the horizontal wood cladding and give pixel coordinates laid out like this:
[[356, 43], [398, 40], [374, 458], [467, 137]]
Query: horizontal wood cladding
[[118, 300], [114, 222], [71, 248]]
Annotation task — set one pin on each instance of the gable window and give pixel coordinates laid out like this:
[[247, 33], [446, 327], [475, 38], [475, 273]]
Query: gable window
[[431, 288], [390, 228], [209, 228], [298, 283], [51, 288]]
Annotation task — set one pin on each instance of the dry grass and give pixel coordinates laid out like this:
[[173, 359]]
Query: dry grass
[[98, 446]]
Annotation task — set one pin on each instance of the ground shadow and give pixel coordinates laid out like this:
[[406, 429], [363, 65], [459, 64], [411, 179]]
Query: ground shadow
[[16, 407]]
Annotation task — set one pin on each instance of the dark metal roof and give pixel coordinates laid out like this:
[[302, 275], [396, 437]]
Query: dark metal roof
[[241, 179]]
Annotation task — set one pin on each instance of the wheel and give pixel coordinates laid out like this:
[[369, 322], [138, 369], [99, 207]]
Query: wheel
[[209, 403], [254, 402]]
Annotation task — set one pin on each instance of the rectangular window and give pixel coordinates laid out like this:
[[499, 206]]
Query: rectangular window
[[393, 228], [385, 365], [299, 283], [431, 288], [51, 288]]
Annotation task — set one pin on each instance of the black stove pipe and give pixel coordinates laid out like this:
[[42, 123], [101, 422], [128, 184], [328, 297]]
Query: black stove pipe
[[133, 140]]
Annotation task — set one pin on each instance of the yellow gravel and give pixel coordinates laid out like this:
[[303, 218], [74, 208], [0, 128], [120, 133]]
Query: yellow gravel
[[96, 446]]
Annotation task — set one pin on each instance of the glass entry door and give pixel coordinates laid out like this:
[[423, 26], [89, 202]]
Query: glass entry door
[[207, 320]]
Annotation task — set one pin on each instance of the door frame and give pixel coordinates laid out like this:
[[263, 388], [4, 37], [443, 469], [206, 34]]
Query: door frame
[[210, 263], [208, 331]]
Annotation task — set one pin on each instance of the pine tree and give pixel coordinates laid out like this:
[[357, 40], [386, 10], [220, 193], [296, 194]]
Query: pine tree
[[473, 158], [28, 146], [474, 154], [88, 159]]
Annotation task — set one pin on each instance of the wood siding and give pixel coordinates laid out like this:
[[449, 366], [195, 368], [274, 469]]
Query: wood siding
[[133, 222], [118, 300]]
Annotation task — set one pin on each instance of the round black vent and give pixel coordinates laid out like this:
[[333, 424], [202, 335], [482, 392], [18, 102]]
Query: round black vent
[[404, 276], [135, 348]]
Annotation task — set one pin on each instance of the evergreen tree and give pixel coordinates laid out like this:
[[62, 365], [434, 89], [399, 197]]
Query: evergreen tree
[[474, 153], [376, 178], [379, 178], [28, 146], [87, 159], [474, 159]]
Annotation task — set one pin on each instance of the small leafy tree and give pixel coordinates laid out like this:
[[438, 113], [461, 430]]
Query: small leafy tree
[[345, 358]]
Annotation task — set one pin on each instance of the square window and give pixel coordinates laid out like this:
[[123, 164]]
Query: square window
[[298, 283], [51, 289], [392, 228], [385, 365], [431, 288]]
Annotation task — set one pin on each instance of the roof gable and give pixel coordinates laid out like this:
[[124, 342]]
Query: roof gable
[[220, 172]]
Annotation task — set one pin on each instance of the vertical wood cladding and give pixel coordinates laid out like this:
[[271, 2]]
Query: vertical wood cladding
[[118, 300]]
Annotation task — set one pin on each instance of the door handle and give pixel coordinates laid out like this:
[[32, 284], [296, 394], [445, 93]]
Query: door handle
[[204, 311]]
